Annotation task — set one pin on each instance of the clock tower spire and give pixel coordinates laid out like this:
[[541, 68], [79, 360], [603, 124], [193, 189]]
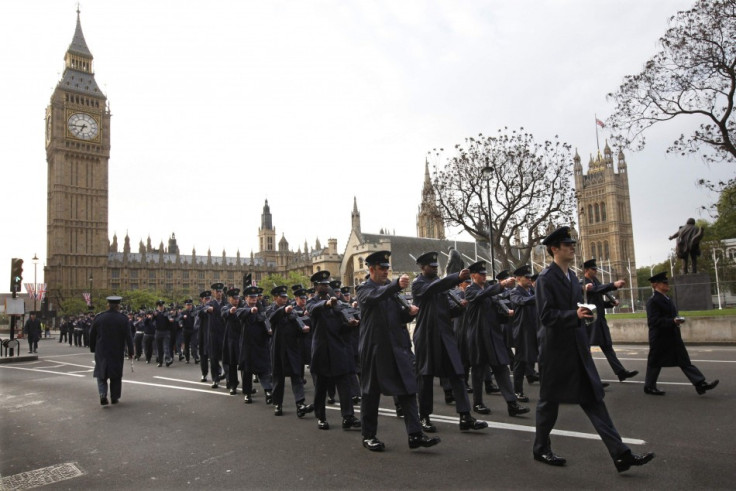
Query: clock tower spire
[[77, 157]]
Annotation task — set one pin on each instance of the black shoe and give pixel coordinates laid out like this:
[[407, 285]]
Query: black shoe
[[303, 409], [605, 384], [181, 357], [322, 424], [356, 400], [330, 400], [115, 401], [196, 360], [532, 378], [653, 391], [215, 384], [248, 399], [373, 444], [169, 362], [269, 397], [417, 440], [481, 409], [550, 458], [521, 397], [491, 388], [449, 398], [103, 400], [628, 459], [627, 374], [277, 411], [704, 386], [515, 409], [427, 425], [350, 422], [187, 362], [233, 391], [253, 391], [159, 364], [467, 422], [468, 389], [399, 411], [203, 379], [148, 361]]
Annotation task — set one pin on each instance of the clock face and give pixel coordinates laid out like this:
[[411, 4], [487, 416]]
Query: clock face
[[83, 126]]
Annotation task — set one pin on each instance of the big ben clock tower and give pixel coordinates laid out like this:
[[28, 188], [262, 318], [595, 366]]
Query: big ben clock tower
[[77, 154]]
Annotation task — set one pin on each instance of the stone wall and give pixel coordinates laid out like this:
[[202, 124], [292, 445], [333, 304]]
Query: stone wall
[[708, 330]]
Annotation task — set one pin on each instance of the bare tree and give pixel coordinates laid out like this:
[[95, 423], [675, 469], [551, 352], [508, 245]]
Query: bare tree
[[530, 188], [693, 75]]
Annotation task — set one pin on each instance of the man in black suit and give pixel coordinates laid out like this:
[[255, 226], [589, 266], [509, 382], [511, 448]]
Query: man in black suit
[[666, 348], [567, 372], [109, 337]]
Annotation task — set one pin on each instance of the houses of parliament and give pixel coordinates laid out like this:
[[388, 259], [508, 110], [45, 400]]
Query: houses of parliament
[[81, 257]]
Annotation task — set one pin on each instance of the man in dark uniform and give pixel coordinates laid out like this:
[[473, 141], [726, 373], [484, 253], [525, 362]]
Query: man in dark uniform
[[566, 368], [163, 334], [186, 321], [203, 334], [233, 335], [300, 309], [286, 351], [600, 335], [386, 359], [524, 328], [332, 357], [437, 354], [149, 335], [255, 355], [139, 326], [216, 332], [485, 339], [109, 337], [666, 348]]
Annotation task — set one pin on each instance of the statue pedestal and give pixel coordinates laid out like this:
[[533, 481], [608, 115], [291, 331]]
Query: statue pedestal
[[692, 291]]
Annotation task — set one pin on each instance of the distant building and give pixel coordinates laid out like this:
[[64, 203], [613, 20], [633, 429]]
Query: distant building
[[604, 215]]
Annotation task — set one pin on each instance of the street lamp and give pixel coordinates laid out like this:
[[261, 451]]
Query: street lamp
[[90, 292], [35, 284], [488, 174]]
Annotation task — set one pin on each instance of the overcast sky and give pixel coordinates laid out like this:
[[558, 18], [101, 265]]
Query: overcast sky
[[217, 106]]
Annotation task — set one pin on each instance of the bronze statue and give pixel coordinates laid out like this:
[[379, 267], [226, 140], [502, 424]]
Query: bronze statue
[[688, 244]]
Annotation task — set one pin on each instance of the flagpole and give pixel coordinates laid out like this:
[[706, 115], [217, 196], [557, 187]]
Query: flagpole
[[597, 144]]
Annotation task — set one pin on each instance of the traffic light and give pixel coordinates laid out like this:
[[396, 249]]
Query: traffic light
[[16, 274]]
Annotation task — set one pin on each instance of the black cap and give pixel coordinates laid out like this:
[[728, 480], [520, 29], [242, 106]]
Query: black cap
[[559, 236], [428, 259], [233, 292], [113, 299], [301, 292], [205, 294], [478, 267], [590, 264], [160, 302], [188, 301], [503, 275], [345, 290], [279, 291], [659, 278], [523, 271], [379, 258], [321, 277], [534, 276], [217, 286], [335, 284], [310, 290], [296, 287], [251, 291], [260, 290]]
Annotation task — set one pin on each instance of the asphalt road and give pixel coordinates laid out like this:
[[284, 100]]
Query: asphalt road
[[172, 432]]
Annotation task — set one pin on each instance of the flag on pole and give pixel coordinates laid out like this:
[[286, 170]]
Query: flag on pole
[[87, 298], [41, 291], [599, 123], [31, 289]]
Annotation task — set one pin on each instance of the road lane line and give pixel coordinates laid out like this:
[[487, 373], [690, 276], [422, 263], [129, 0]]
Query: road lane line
[[210, 391], [40, 371]]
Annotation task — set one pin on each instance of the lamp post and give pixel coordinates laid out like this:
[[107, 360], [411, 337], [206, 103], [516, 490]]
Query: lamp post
[[488, 173], [35, 284], [91, 305]]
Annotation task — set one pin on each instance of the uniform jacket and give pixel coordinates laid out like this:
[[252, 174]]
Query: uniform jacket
[[255, 354], [599, 333], [666, 348], [286, 344], [387, 363], [435, 345], [525, 324], [566, 368], [484, 336], [332, 355], [233, 333], [108, 338], [215, 329], [33, 329]]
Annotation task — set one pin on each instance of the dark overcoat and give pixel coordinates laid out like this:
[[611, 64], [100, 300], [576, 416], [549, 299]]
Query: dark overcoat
[[203, 330], [484, 336], [233, 333], [33, 329], [286, 343], [566, 369], [216, 330], [255, 352], [598, 331], [459, 325], [666, 347], [332, 355], [435, 345], [525, 324], [387, 363], [109, 336]]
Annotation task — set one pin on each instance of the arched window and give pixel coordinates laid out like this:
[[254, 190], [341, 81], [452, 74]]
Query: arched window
[[592, 250], [360, 263], [600, 250], [603, 212], [590, 213], [606, 251], [597, 214]]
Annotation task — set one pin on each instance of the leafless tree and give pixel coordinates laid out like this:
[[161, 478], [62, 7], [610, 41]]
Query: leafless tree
[[530, 188]]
